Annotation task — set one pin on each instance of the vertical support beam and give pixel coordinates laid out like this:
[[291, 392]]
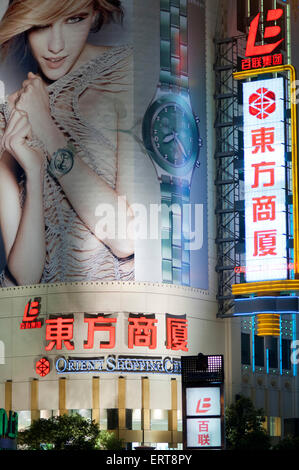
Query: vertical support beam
[[145, 410], [62, 396], [173, 414], [8, 396], [35, 414], [266, 407], [252, 395], [121, 403], [96, 399]]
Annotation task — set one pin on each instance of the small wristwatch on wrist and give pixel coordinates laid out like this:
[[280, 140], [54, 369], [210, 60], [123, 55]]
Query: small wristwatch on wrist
[[62, 161]]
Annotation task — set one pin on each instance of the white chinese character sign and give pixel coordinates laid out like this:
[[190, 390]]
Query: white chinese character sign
[[203, 401], [265, 180], [204, 432], [203, 417]]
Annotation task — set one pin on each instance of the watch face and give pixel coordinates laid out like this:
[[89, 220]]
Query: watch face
[[172, 134], [63, 161]]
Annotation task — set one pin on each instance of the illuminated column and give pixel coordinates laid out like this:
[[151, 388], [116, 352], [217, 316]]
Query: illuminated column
[[62, 396], [35, 414], [121, 403], [145, 411], [268, 325], [96, 399], [8, 396], [173, 414]]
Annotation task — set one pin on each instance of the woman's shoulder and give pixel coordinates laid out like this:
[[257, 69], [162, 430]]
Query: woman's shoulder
[[104, 53]]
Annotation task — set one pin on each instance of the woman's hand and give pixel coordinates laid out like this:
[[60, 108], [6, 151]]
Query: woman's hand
[[33, 98], [15, 141]]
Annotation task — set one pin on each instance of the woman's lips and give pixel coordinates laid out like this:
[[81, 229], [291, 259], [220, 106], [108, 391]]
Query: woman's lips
[[55, 63]]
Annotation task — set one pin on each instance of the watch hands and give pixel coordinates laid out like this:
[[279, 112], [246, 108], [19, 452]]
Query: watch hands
[[168, 138], [174, 136], [180, 145]]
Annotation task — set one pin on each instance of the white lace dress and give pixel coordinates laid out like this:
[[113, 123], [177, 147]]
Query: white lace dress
[[73, 252]]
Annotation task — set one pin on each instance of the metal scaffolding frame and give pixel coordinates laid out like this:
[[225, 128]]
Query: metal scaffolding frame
[[229, 211]]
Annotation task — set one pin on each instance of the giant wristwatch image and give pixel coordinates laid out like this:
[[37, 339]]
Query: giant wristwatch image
[[171, 137]]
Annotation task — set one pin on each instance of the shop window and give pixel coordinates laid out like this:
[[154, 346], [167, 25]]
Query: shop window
[[103, 420], [259, 351], [273, 354], [136, 420], [161, 446], [48, 414], [85, 413], [274, 426], [245, 348], [112, 418], [129, 419], [286, 354], [180, 421], [24, 420], [159, 420]]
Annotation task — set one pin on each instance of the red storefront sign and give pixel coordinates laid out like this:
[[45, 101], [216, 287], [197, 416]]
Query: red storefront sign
[[142, 332], [31, 313], [262, 55]]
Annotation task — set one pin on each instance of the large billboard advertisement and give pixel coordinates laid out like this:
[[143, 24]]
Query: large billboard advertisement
[[103, 171], [265, 180]]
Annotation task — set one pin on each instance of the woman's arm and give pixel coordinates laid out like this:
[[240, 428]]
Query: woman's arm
[[22, 228], [85, 190]]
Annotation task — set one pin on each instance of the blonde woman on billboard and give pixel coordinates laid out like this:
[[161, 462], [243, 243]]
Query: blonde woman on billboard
[[65, 146]]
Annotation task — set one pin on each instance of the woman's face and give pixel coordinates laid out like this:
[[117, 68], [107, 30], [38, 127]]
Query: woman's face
[[58, 46]]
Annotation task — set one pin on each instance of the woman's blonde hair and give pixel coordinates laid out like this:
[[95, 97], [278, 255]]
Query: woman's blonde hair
[[22, 15]]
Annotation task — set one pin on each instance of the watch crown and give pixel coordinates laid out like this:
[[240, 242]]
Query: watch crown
[[197, 164]]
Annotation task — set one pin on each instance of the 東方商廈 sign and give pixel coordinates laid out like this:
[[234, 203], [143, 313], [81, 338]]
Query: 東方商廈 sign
[[265, 180]]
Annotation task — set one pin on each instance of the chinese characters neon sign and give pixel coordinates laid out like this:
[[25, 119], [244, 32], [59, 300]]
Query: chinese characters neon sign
[[264, 166], [142, 332]]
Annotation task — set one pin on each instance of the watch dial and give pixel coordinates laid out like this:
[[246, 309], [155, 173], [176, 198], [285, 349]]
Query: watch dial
[[64, 161], [171, 134]]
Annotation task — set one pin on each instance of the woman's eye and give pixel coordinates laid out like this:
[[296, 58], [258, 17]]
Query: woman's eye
[[75, 19], [40, 26]]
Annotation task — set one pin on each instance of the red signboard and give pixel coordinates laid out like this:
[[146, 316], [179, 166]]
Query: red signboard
[[270, 32], [31, 313], [142, 332], [262, 55], [42, 367]]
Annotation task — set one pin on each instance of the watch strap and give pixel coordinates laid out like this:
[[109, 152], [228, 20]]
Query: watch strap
[[174, 43], [175, 230]]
